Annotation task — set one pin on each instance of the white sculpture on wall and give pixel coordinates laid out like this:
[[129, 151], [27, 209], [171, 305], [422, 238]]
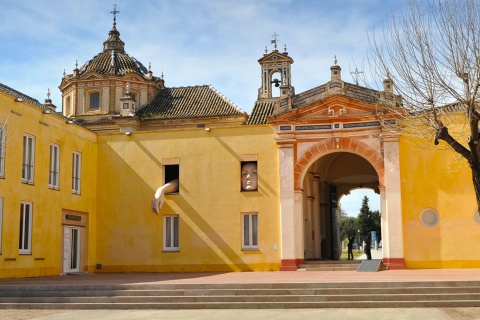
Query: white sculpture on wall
[[159, 197], [249, 176]]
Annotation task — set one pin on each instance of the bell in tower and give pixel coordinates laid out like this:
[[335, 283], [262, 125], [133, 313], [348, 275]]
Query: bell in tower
[[276, 73]]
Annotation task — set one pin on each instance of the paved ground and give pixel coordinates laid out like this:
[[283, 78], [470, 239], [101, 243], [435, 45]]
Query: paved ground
[[288, 314], [253, 277], [376, 254]]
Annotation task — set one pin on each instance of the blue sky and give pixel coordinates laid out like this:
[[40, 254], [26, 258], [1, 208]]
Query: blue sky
[[352, 203], [193, 42]]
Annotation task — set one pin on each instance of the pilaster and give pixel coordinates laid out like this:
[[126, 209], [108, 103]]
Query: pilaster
[[392, 226], [290, 210]]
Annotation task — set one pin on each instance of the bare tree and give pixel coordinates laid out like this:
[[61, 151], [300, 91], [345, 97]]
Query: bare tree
[[431, 52], [7, 120]]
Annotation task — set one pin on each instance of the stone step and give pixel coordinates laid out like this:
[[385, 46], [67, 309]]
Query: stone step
[[245, 298], [252, 305], [239, 292], [327, 268], [237, 286], [243, 295]]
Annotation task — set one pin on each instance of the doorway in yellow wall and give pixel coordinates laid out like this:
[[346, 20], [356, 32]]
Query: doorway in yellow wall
[[71, 249], [74, 241], [328, 178]]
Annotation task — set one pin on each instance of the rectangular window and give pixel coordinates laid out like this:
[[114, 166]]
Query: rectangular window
[[54, 166], [250, 231], [76, 172], [171, 172], [94, 100], [170, 232], [3, 140], [25, 239], [28, 159]]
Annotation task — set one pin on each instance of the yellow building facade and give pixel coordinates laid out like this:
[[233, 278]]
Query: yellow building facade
[[440, 217], [43, 203], [76, 186]]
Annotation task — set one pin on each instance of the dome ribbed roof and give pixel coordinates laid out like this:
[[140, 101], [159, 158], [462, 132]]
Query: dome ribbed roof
[[120, 62], [114, 60]]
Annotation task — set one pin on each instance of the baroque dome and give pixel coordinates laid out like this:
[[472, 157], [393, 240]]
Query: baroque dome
[[113, 60]]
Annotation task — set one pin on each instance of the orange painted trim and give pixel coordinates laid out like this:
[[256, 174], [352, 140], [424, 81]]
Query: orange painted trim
[[290, 264], [344, 144], [394, 263]]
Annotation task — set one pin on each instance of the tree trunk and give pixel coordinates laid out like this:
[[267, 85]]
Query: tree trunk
[[476, 185]]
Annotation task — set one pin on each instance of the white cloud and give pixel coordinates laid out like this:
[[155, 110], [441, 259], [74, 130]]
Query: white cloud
[[352, 203], [193, 42]]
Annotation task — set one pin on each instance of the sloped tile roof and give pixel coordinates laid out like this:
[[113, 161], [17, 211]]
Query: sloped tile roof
[[16, 94], [261, 110], [188, 102]]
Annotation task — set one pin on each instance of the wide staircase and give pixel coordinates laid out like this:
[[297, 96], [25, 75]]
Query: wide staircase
[[242, 296], [330, 265]]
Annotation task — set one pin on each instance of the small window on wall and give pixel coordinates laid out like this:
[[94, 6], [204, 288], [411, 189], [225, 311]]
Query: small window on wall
[[249, 178], [94, 100], [250, 231], [170, 233], [171, 173]]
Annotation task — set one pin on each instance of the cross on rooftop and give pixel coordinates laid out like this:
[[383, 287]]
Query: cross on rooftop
[[355, 74], [114, 12], [274, 41]]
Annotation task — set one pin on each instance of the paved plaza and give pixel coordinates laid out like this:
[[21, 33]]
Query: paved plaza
[[242, 314], [252, 277]]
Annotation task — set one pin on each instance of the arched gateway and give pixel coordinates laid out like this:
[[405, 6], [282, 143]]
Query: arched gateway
[[331, 140]]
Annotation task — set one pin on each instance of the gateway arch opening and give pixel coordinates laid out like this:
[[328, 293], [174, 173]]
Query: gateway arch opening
[[327, 180]]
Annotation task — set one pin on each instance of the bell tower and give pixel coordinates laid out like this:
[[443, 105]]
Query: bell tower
[[276, 73]]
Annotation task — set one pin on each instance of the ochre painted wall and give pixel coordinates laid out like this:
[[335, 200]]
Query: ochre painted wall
[[434, 177], [47, 204], [209, 203]]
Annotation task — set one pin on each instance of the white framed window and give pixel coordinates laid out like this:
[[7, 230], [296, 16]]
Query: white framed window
[[250, 231], [3, 140], [76, 172], [1, 223], [25, 238], [54, 168], [28, 158], [170, 233], [94, 100]]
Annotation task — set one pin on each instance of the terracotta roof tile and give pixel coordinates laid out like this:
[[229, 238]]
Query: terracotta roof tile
[[16, 94], [260, 112], [188, 102]]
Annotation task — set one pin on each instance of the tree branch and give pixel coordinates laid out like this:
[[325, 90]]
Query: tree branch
[[442, 134]]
